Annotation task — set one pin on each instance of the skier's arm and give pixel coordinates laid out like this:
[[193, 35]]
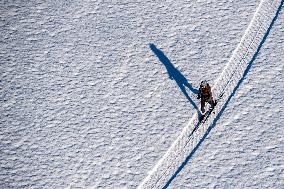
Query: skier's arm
[[199, 94]]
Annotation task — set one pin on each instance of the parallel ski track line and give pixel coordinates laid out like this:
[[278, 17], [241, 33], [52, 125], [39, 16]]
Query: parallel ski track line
[[226, 85]]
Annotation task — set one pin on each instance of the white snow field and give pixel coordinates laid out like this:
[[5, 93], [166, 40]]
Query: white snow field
[[225, 87], [87, 102]]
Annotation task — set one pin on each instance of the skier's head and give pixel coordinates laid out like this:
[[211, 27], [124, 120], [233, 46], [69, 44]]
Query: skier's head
[[204, 83], [205, 88]]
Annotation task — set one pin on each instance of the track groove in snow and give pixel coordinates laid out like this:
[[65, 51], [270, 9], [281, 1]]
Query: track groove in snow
[[229, 81]]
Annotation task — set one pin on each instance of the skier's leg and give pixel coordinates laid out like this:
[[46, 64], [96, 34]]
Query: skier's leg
[[202, 110], [203, 106], [211, 102]]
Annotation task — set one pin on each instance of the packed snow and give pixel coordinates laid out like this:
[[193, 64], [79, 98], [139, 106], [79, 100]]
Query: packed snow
[[225, 87], [86, 102]]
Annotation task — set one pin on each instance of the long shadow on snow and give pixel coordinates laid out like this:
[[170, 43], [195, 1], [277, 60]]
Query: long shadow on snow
[[226, 103], [175, 74]]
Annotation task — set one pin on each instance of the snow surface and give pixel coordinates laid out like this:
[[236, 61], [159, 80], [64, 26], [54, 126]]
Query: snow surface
[[245, 149], [225, 87], [86, 103]]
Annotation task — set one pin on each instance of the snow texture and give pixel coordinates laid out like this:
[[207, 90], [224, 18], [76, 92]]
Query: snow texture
[[87, 103], [225, 87], [245, 149]]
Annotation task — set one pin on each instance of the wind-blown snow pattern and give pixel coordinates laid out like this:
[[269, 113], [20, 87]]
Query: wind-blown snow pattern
[[224, 88], [93, 93]]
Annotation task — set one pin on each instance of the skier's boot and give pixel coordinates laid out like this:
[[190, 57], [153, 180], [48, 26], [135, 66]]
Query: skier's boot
[[202, 116]]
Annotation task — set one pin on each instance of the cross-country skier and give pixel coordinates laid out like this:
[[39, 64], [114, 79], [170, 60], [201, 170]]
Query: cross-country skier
[[206, 96]]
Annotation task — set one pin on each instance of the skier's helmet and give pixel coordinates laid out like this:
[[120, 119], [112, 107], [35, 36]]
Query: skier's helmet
[[205, 88]]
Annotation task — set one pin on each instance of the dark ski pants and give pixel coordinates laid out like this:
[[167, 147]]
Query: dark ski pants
[[203, 101]]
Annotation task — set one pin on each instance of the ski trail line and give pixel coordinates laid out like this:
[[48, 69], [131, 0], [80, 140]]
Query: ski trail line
[[180, 152]]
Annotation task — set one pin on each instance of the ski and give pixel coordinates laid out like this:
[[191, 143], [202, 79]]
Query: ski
[[207, 115]]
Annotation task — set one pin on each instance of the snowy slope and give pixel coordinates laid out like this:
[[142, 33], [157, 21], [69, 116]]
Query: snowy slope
[[86, 103], [224, 89], [246, 148]]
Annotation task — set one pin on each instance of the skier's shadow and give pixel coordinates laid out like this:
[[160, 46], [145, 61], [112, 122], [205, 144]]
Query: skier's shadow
[[176, 75], [213, 124]]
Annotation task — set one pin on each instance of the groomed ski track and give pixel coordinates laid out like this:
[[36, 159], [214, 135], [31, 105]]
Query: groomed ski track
[[226, 85]]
